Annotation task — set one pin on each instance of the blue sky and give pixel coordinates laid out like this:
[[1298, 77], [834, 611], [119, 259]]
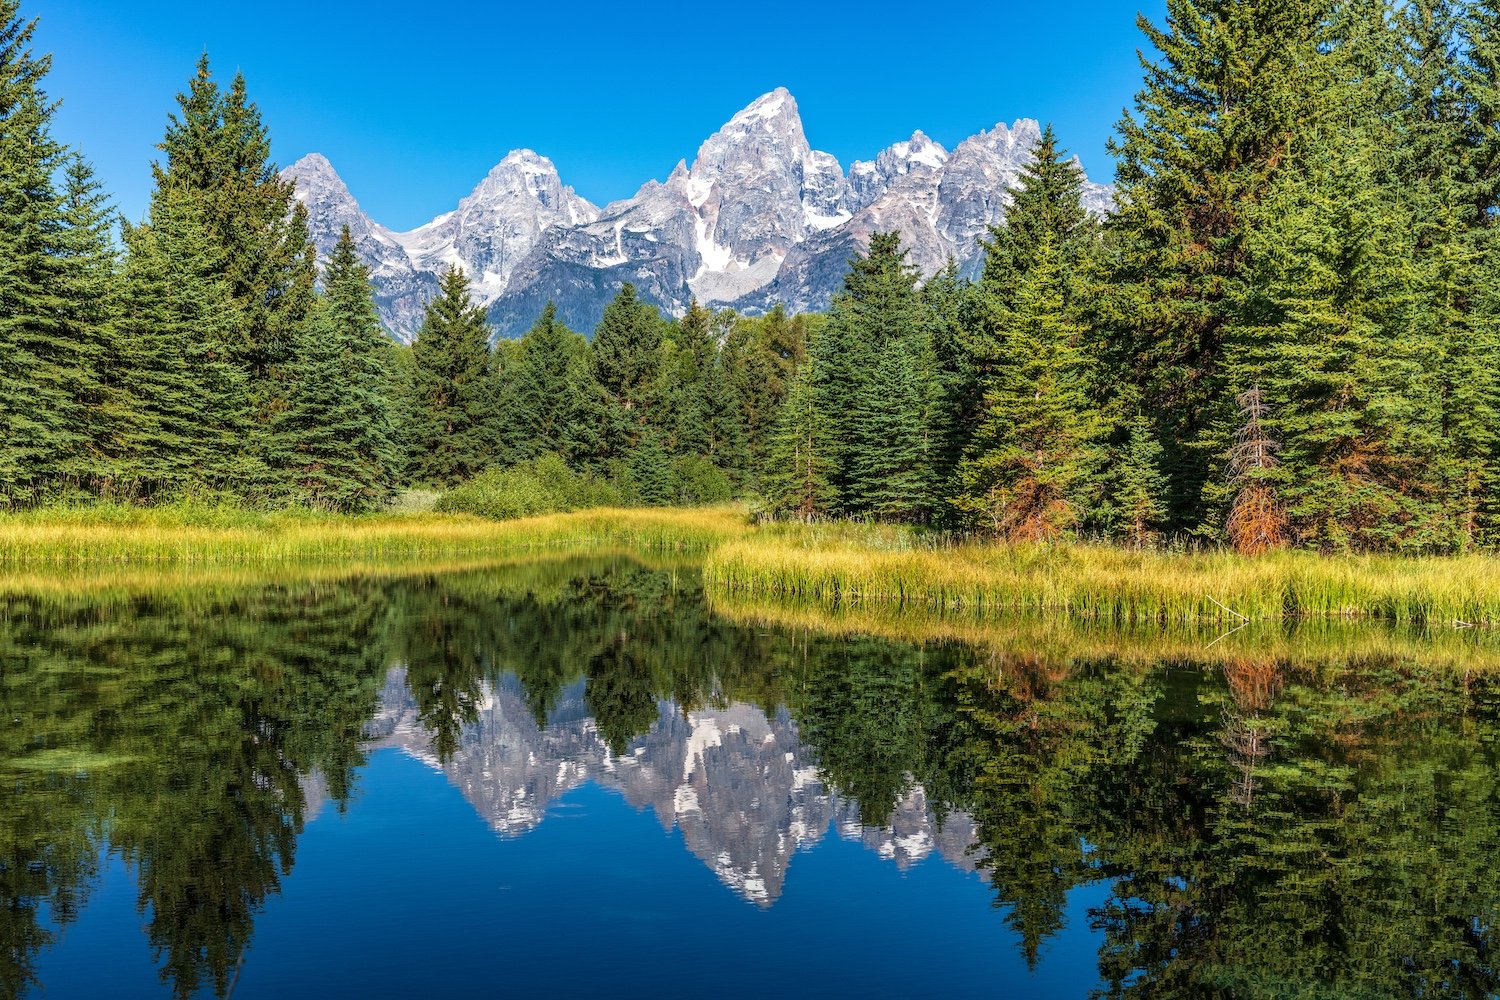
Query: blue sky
[[413, 107]]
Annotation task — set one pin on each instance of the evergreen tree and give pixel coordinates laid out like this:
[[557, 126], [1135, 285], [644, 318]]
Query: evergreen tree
[[879, 309], [1133, 509], [90, 297], [1028, 470], [39, 366], [1216, 117], [798, 474], [723, 421], [454, 434], [183, 396], [217, 155], [1045, 204], [890, 458], [685, 381], [542, 386], [1330, 352], [1033, 468], [625, 364], [335, 437], [957, 393], [759, 358], [217, 148]]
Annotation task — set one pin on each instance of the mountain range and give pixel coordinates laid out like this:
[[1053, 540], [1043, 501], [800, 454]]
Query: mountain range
[[760, 218], [738, 783]]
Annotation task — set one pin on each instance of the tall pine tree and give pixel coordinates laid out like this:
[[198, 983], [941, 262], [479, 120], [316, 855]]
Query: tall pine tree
[[1217, 114], [335, 438], [453, 408]]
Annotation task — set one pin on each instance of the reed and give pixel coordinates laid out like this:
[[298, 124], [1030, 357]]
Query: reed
[[214, 537], [1110, 584], [1326, 646]]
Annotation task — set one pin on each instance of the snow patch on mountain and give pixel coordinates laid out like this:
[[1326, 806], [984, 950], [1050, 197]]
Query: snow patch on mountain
[[759, 218]]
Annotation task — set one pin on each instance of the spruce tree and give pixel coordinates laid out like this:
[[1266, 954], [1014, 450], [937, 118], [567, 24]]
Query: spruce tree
[[541, 388], [685, 381], [335, 438], [454, 409], [1133, 509], [879, 309], [90, 296], [184, 398], [1046, 203], [38, 408], [217, 155], [758, 360], [797, 478], [625, 364], [957, 393], [217, 148], [890, 458], [1032, 472], [1217, 115], [1330, 352]]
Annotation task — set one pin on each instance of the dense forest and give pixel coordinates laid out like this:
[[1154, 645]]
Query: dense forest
[[1285, 333]]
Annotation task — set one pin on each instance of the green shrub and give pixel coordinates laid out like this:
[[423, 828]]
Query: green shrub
[[542, 486], [700, 483]]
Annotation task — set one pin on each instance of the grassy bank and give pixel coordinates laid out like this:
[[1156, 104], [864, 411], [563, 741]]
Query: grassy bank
[[837, 565], [1106, 584], [183, 536]]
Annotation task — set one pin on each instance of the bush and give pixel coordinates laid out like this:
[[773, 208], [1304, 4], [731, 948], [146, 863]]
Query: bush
[[542, 486], [700, 483]]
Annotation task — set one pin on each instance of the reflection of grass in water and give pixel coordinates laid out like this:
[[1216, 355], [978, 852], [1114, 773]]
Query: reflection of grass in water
[[129, 536], [67, 760], [1104, 583], [1310, 644], [544, 574]]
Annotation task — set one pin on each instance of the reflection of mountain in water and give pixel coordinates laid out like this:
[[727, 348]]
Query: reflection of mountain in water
[[737, 783]]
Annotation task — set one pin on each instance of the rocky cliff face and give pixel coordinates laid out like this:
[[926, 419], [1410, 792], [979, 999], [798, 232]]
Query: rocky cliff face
[[737, 783], [758, 218]]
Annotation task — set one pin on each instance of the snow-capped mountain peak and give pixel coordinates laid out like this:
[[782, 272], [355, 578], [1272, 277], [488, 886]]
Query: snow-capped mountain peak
[[757, 218]]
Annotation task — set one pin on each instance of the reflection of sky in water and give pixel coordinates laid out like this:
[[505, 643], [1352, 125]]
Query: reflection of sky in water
[[661, 835], [410, 893]]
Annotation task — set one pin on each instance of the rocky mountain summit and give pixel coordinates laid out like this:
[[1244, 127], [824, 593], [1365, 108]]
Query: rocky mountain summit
[[758, 218], [737, 783]]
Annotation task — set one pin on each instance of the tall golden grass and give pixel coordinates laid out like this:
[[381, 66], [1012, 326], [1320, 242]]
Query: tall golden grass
[[829, 564], [1321, 645], [168, 537], [1111, 584]]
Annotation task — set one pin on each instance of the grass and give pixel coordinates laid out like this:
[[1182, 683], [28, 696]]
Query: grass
[[1331, 645], [1106, 584], [199, 536], [832, 565]]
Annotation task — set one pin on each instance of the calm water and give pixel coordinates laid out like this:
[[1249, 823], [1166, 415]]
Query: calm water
[[575, 778]]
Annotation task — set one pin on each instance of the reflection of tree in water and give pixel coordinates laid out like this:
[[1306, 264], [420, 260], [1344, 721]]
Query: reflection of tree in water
[[1265, 829], [184, 726]]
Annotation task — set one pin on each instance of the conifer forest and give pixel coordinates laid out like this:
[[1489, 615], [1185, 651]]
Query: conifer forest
[[1286, 334]]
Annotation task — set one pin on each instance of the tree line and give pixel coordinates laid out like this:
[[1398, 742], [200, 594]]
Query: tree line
[[1284, 334]]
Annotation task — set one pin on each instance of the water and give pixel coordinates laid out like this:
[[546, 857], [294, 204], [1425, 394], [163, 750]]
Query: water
[[578, 777]]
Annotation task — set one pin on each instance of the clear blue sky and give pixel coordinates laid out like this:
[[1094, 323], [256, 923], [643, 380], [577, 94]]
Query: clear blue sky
[[414, 106]]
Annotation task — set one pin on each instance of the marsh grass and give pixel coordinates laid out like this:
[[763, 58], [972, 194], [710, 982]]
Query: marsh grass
[[835, 564], [1107, 584], [1323, 645], [207, 536]]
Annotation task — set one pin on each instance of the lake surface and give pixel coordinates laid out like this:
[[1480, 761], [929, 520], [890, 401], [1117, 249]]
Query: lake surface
[[581, 777]]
